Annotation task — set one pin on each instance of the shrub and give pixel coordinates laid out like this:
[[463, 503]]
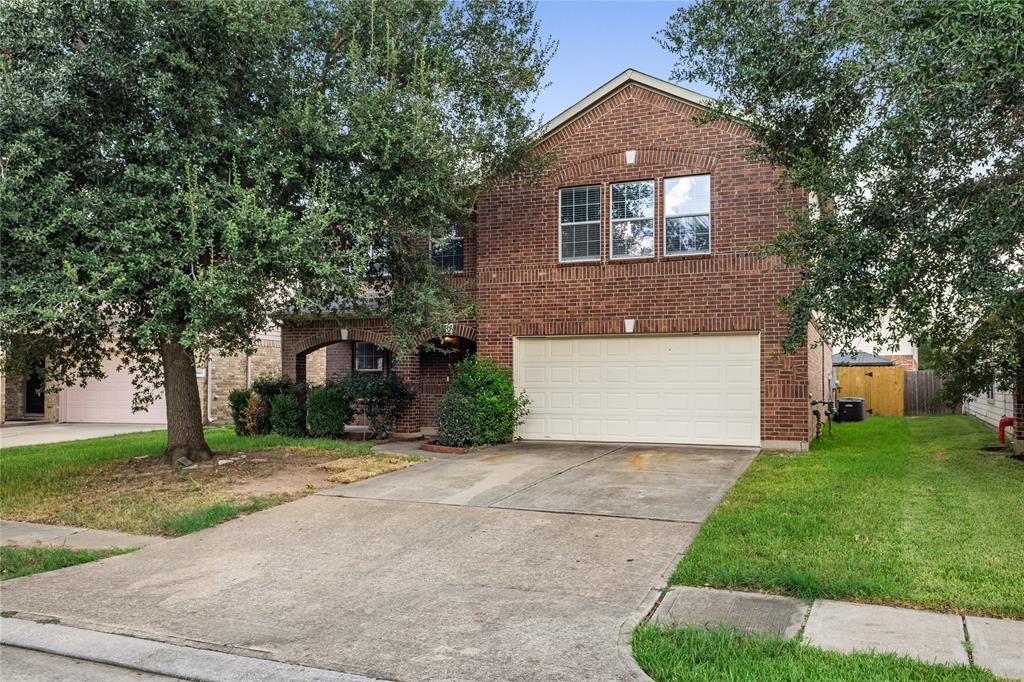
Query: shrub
[[328, 409], [269, 385], [481, 406], [256, 416], [286, 418], [382, 398], [238, 399], [456, 420]]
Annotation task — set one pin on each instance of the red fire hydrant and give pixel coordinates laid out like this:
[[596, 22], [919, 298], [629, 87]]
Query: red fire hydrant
[[1003, 423]]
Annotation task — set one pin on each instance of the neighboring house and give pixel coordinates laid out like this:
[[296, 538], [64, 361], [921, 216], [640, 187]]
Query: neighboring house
[[903, 353], [625, 289], [861, 359], [109, 400], [991, 406]]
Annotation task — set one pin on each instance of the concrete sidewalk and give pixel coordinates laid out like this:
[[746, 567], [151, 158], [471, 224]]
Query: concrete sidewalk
[[38, 433], [844, 626], [112, 656], [41, 534]]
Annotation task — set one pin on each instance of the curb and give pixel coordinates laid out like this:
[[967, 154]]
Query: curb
[[158, 658]]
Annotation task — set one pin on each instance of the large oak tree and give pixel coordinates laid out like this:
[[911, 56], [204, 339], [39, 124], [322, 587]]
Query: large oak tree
[[906, 120], [175, 173]]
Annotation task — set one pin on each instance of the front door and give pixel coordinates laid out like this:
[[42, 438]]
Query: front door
[[35, 400]]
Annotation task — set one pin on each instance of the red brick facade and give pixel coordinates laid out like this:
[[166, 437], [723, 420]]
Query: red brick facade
[[522, 289], [907, 362]]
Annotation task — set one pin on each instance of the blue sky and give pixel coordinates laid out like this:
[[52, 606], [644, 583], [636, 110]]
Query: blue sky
[[599, 40]]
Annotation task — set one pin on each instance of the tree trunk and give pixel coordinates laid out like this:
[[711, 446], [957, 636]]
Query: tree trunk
[[184, 413]]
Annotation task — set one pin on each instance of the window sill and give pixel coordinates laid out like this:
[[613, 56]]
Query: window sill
[[692, 254], [589, 261], [631, 259]]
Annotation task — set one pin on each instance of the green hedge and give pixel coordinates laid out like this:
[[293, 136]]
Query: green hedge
[[238, 399], [286, 416], [382, 398], [481, 406], [328, 409]]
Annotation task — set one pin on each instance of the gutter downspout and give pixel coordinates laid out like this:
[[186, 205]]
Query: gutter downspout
[[209, 387]]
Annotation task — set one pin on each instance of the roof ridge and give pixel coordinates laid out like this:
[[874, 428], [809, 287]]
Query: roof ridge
[[620, 81]]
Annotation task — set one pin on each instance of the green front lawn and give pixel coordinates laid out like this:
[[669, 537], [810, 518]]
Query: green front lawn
[[16, 562], [101, 483], [897, 511], [722, 653]]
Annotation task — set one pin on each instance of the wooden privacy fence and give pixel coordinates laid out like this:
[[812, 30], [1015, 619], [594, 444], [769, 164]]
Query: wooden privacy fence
[[919, 391], [881, 387]]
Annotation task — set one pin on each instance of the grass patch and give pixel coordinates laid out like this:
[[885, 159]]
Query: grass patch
[[16, 562], [723, 653], [183, 523], [899, 511], [102, 483]]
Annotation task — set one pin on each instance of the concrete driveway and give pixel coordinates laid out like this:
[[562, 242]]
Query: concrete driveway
[[525, 562], [48, 432]]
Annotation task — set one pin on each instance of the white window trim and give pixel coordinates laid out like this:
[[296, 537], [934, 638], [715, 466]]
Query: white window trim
[[666, 216], [612, 221], [600, 212]]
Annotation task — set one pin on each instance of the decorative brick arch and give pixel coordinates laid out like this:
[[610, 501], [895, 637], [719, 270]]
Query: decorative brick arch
[[326, 337], [460, 329], [644, 155]]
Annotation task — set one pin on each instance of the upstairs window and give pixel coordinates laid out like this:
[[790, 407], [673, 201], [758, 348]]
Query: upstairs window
[[368, 357], [688, 215], [579, 223], [633, 219], [450, 253]]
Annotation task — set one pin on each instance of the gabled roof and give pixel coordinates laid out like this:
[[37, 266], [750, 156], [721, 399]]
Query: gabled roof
[[860, 359], [614, 85]]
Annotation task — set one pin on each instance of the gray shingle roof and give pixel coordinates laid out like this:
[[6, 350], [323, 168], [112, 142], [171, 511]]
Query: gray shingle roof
[[859, 359]]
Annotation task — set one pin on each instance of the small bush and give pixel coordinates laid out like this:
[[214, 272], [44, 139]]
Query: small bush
[[286, 417], [238, 399], [328, 409], [382, 398], [256, 416], [456, 421], [481, 406], [269, 385]]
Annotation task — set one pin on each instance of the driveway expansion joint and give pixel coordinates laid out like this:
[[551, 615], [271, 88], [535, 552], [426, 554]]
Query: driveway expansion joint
[[495, 503]]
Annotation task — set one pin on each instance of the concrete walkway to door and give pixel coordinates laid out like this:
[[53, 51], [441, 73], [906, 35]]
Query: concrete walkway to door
[[525, 562]]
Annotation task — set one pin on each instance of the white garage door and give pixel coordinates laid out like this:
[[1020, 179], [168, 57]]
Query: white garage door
[[109, 401], [643, 389]]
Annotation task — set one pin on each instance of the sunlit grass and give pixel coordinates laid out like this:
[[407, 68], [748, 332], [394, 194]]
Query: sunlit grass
[[891, 510]]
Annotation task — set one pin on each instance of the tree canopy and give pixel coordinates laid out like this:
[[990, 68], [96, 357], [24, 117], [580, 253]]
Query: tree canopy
[[905, 120], [175, 174]]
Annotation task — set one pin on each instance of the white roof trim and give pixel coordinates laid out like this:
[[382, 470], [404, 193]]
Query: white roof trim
[[627, 76]]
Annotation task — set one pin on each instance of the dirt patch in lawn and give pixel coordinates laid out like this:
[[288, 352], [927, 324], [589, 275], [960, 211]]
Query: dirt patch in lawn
[[352, 469], [141, 495]]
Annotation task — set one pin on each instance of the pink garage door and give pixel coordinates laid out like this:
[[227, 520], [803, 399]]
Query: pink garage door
[[109, 401]]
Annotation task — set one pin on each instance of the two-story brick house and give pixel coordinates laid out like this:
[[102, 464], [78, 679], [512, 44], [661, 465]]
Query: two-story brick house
[[625, 289]]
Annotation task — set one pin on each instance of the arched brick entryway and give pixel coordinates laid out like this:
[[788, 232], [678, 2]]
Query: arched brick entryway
[[298, 340]]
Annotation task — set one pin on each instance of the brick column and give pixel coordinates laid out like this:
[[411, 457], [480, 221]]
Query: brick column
[[290, 362], [408, 369]]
